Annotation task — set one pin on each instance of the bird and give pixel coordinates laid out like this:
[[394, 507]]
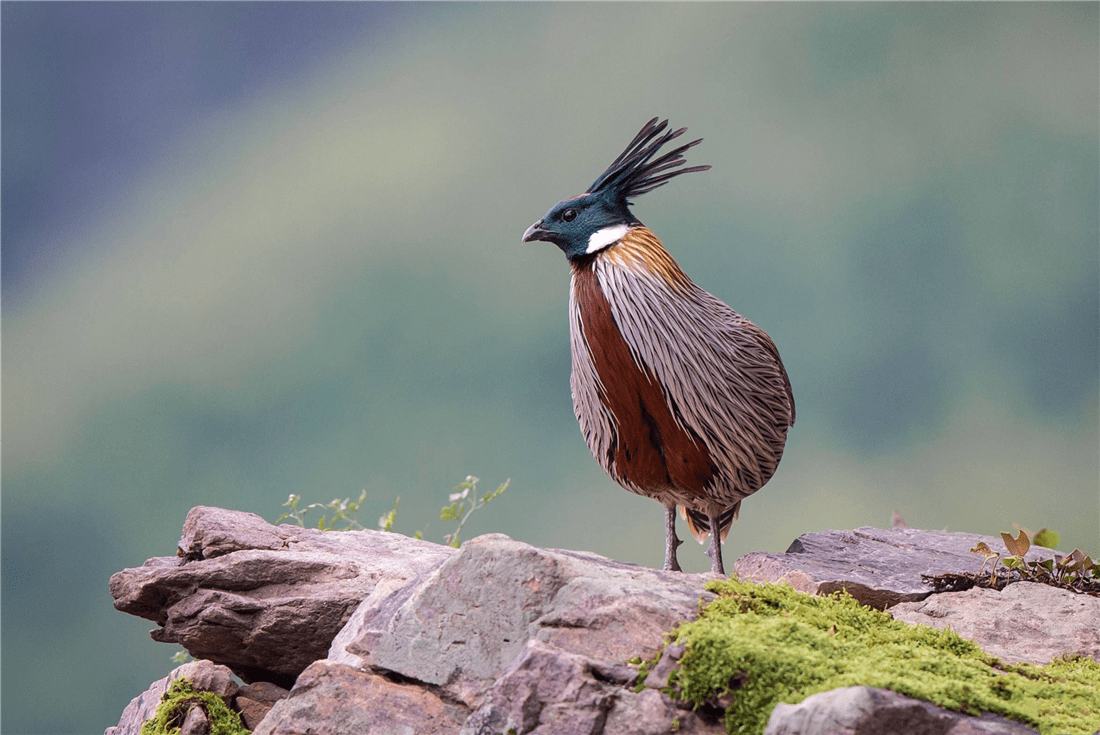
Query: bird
[[680, 398]]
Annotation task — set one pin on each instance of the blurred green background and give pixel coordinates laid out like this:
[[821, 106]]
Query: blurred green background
[[259, 249]]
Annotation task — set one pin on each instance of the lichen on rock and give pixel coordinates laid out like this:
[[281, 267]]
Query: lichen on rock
[[758, 645]]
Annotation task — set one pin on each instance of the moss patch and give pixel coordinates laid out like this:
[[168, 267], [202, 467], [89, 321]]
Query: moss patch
[[764, 644], [180, 698]]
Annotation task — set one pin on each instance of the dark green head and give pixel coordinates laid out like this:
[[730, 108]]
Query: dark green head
[[588, 223]]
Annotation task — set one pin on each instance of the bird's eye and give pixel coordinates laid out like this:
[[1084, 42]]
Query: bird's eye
[[569, 215]]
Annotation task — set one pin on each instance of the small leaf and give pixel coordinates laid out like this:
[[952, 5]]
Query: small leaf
[[1012, 561], [1023, 543], [498, 491], [1074, 561], [1016, 546], [983, 548], [1046, 538]]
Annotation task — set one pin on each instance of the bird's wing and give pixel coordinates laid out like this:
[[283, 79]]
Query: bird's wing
[[721, 373]]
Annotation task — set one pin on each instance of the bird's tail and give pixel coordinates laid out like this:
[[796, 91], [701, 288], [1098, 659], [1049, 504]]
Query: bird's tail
[[699, 523]]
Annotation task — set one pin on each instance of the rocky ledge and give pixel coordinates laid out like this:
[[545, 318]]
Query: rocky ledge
[[373, 632]]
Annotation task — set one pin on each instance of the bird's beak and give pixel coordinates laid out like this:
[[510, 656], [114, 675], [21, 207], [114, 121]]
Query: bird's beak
[[536, 232]]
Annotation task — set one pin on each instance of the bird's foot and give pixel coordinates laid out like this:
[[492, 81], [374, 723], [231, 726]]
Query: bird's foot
[[672, 564], [672, 542], [715, 551], [716, 565]]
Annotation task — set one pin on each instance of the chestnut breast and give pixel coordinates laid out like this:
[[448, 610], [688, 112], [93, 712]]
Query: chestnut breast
[[650, 451]]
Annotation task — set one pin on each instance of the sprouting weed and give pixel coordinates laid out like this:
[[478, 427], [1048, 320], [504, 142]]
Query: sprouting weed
[[343, 515], [1074, 571], [460, 511], [344, 512]]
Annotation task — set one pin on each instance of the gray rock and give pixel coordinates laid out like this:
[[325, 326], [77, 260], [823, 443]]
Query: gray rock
[[266, 601], [212, 532], [468, 620], [255, 700], [669, 661], [334, 699], [1025, 621], [651, 713], [204, 675], [195, 722], [879, 567], [207, 676], [547, 691], [869, 711]]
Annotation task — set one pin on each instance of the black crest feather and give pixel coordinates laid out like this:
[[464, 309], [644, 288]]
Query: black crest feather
[[632, 173]]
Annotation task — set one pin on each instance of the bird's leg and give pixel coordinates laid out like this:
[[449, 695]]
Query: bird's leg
[[671, 542], [716, 545]]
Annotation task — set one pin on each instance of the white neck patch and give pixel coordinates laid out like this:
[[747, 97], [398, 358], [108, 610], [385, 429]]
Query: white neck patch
[[600, 239]]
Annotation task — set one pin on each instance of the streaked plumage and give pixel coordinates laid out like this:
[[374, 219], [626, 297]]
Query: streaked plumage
[[679, 397]]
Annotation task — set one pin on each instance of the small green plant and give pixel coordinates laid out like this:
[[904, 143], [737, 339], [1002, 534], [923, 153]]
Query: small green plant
[[458, 509], [344, 512], [644, 666], [178, 701], [179, 658], [385, 523], [343, 515], [1074, 571]]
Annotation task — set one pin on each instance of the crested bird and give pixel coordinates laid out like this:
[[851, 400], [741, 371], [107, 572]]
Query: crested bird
[[680, 398]]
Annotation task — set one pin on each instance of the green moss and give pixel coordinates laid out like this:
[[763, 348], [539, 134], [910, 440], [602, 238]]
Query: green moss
[[176, 702], [644, 667], [768, 644]]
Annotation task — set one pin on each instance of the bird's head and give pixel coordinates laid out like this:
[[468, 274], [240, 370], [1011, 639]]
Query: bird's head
[[585, 224]]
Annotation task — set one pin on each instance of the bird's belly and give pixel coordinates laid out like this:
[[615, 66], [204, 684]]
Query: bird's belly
[[647, 451]]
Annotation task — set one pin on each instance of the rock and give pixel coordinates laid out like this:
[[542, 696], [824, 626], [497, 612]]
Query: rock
[[669, 661], [212, 532], [651, 713], [335, 699], [457, 631], [204, 675], [547, 691], [255, 700], [266, 601], [878, 567], [1025, 621], [207, 676], [501, 636], [869, 711], [196, 722]]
